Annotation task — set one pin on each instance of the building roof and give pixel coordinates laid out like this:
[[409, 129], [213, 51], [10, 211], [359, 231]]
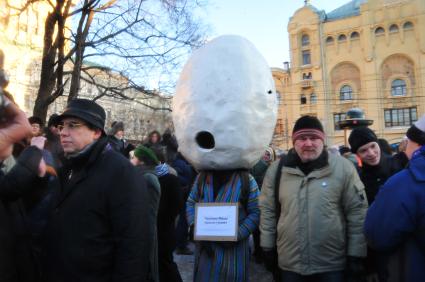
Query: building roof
[[350, 9], [320, 13]]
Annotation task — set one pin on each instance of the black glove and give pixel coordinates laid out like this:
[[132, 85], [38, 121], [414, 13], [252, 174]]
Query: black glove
[[355, 270], [270, 259]]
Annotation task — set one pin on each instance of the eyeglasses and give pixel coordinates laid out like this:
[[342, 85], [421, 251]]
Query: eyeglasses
[[69, 125]]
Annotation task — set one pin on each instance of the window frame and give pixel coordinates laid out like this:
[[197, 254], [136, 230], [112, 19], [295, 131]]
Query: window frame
[[393, 28], [399, 90], [338, 117], [379, 31], [342, 95], [354, 35], [305, 40], [303, 99], [313, 98], [304, 55], [342, 38], [400, 117], [408, 25]]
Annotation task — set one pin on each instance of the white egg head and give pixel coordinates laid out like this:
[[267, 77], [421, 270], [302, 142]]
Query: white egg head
[[224, 109]]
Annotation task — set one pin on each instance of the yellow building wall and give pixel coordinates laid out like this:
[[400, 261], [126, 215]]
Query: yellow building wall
[[21, 43], [367, 63]]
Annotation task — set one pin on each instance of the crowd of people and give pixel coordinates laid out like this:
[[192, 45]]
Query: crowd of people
[[80, 203]]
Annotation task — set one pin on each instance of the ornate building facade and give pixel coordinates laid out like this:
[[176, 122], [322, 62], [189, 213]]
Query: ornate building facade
[[368, 54], [21, 45]]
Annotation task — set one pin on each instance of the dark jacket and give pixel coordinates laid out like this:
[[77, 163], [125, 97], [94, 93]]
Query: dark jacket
[[185, 172], [170, 205], [395, 222], [120, 145], [99, 228], [259, 171], [53, 145], [373, 177], [154, 193], [16, 261]]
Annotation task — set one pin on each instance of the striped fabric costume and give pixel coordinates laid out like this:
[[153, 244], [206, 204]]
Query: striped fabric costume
[[225, 262]]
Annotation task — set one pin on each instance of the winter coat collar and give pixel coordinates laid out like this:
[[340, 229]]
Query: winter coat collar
[[316, 168], [417, 164], [76, 168]]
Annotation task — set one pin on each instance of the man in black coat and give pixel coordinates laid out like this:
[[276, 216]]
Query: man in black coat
[[16, 264], [376, 168], [170, 205], [16, 260], [98, 230]]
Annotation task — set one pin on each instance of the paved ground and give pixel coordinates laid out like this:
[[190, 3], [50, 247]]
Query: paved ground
[[257, 272]]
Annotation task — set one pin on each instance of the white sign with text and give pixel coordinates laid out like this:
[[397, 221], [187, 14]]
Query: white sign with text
[[216, 221]]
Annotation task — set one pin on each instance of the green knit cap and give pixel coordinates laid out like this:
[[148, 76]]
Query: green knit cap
[[143, 153]]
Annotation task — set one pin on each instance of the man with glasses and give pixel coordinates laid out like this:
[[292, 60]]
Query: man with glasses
[[99, 229]]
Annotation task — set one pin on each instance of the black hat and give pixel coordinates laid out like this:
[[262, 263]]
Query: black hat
[[343, 149], [307, 125], [53, 120], [36, 120], [416, 132], [87, 111], [115, 127], [361, 136]]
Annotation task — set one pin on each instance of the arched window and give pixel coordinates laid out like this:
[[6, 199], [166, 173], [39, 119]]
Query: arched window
[[355, 35], [407, 25], [394, 28], [342, 38], [379, 31], [313, 98], [398, 87], [303, 99], [346, 93], [305, 40], [329, 40]]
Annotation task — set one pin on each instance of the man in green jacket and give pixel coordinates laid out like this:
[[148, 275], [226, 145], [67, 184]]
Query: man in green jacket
[[315, 227]]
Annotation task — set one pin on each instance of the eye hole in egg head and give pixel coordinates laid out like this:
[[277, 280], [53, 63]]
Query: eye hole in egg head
[[205, 140], [270, 92]]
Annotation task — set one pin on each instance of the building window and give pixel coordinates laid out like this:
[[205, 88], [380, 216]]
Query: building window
[[305, 40], [313, 98], [400, 117], [303, 99], [342, 38], [379, 31], [393, 28], [407, 25], [279, 97], [306, 57], [338, 117], [398, 87], [329, 40], [279, 126], [307, 76], [346, 93], [355, 35]]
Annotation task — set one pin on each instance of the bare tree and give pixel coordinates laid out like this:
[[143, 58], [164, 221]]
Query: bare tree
[[146, 41]]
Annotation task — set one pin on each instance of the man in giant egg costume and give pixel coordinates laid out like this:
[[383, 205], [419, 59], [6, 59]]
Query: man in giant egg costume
[[224, 113]]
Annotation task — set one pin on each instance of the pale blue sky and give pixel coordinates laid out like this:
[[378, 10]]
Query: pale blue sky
[[264, 22]]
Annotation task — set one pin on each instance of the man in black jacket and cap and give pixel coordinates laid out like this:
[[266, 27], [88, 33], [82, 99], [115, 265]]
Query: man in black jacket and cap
[[99, 229], [376, 168]]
